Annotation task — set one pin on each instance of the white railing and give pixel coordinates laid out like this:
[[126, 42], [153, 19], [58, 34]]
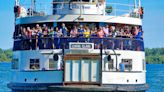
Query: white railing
[[47, 8]]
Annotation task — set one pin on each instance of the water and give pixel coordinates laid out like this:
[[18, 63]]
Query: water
[[155, 77], [5, 76]]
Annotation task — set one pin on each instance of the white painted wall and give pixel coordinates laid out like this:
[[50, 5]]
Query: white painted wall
[[108, 77], [122, 77], [73, 18], [42, 76]]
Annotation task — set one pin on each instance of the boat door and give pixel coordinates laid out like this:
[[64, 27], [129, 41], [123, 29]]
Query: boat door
[[82, 69]]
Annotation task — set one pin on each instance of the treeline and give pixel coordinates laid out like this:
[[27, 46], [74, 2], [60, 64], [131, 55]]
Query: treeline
[[155, 55], [5, 55]]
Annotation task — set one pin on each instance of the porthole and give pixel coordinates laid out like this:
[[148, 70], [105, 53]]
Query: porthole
[[136, 80], [35, 79], [25, 80]]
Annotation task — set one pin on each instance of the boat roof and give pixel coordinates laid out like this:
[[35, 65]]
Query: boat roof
[[75, 18]]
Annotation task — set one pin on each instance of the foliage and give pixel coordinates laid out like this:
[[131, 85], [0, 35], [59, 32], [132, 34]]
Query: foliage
[[5, 55], [154, 55]]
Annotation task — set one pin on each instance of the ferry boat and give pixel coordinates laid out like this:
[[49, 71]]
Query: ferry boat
[[78, 45]]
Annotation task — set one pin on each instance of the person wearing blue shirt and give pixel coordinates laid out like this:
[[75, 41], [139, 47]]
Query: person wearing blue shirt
[[140, 34], [122, 67], [81, 31], [64, 30]]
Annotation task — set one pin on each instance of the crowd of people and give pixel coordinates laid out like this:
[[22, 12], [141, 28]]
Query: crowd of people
[[45, 32], [124, 31]]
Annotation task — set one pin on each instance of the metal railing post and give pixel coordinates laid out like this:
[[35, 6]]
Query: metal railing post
[[115, 10]]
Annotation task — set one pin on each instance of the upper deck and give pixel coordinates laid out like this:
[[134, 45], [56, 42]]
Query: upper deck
[[36, 11]]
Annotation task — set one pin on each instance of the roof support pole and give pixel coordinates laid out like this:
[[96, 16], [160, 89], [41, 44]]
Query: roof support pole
[[16, 2], [33, 2], [80, 8], [135, 4], [139, 3]]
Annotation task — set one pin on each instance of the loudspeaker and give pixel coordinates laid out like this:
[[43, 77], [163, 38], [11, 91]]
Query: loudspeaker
[[109, 57], [55, 57]]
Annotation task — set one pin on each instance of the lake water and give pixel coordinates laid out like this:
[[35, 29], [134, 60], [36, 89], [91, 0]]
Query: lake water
[[155, 77]]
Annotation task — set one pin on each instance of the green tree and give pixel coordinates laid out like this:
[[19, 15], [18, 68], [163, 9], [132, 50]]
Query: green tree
[[5, 55]]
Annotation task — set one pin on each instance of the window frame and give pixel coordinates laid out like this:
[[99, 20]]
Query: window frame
[[53, 65], [35, 63], [128, 64]]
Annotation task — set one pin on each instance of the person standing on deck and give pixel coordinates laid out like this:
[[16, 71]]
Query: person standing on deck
[[81, 31], [106, 30], [64, 30], [100, 32]]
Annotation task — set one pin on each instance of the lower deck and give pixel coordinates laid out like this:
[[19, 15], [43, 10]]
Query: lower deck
[[72, 69]]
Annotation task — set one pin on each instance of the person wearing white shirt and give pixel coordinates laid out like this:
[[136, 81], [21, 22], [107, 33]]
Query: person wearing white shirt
[[106, 30]]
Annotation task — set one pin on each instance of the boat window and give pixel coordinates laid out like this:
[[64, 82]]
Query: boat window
[[15, 63], [109, 65], [126, 65], [34, 64], [53, 65]]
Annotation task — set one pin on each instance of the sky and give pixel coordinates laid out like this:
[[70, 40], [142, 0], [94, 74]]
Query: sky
[[153, 23]]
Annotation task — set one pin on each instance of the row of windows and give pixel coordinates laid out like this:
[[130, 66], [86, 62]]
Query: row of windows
[[125, 65], [35, 64]]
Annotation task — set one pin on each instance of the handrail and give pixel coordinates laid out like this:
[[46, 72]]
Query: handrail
[[50, 43], [117, 38], [47, 8]]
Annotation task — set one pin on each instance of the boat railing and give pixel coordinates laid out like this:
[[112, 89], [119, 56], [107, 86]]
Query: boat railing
[[63, 42], [48, 8]]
